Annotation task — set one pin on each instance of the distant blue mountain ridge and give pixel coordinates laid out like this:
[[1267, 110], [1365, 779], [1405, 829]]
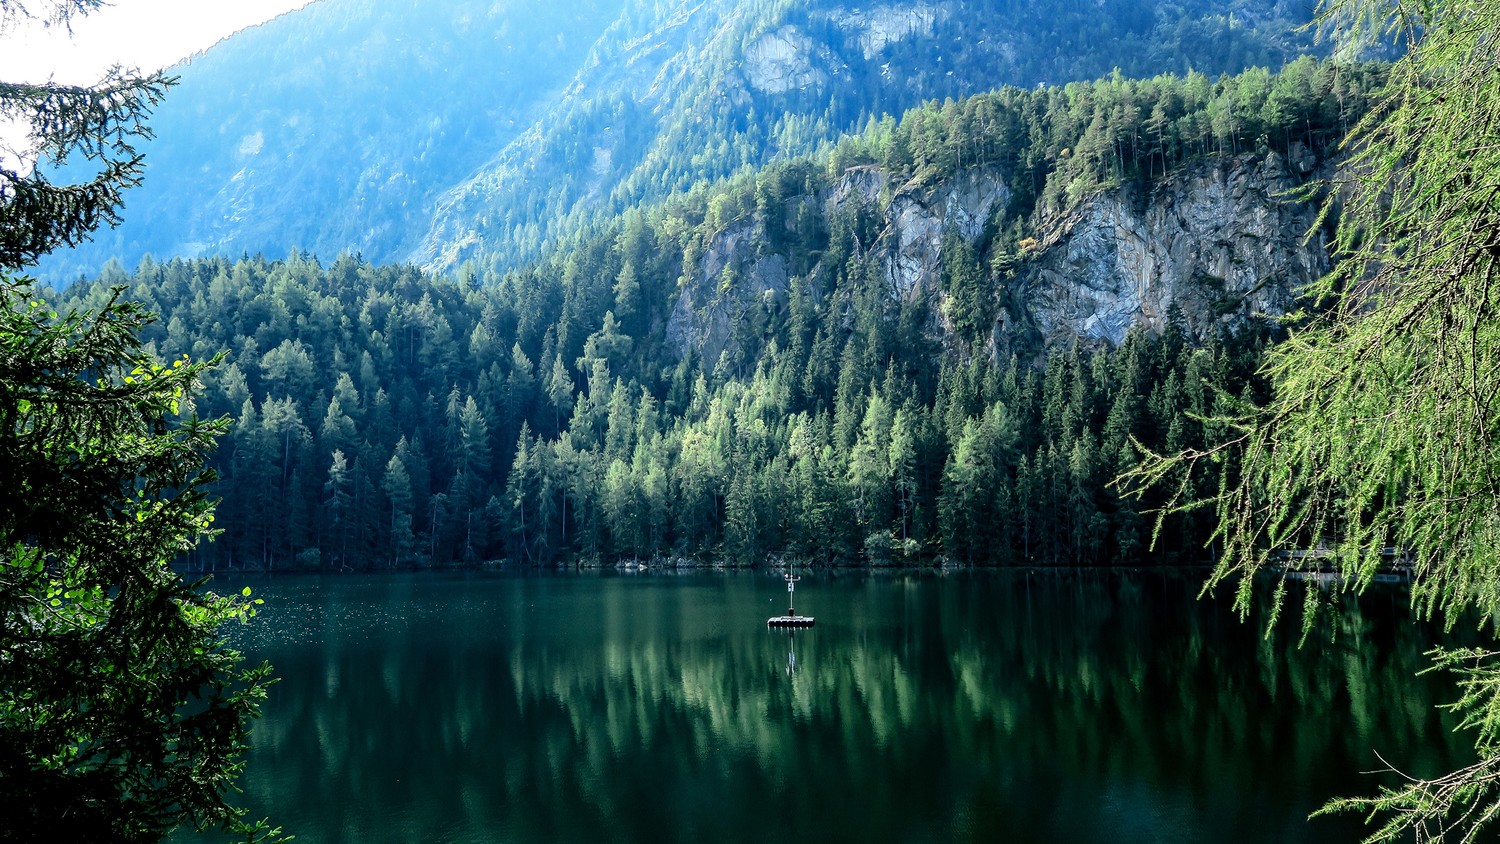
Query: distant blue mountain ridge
[[454, 131]]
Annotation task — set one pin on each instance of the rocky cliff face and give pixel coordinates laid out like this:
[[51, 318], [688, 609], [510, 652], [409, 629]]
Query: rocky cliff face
[[1221, 241], [910, 248], [785, 60], [877, 27], [733, 278]]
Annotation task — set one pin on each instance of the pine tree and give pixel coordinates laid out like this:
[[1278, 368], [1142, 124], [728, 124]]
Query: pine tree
[[396, 484], [99, 124], [902, 459], [560, 392], [337, 499], [960, 510]]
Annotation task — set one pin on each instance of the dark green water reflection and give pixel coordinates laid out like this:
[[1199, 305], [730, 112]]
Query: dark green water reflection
[[991, 707]]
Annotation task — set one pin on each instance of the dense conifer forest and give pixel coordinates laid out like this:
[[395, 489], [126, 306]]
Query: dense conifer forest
[[385, 417]]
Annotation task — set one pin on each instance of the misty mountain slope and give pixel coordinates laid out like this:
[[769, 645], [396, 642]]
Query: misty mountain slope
[[331, 128], [722, 86], [448, 131]]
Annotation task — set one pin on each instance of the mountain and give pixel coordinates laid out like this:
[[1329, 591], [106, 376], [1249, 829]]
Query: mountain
[[716, 87], [335, 127], [442, 132], [938, 339]]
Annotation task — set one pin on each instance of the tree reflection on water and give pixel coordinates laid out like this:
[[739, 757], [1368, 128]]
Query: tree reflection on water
[[1034, 707]]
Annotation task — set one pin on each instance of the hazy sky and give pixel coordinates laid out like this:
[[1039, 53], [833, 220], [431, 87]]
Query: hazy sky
[[147, 34]]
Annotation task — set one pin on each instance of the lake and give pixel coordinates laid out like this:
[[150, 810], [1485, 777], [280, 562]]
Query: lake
[[605, 706]]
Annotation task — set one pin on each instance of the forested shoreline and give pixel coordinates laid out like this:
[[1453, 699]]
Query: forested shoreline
[[386, 418]]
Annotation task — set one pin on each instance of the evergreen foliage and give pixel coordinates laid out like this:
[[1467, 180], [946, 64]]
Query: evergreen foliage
[[409, 447], [93, 127], [123, 712]]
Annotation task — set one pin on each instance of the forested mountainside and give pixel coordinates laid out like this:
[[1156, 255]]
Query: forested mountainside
[[440, 132], [844, 357], [714, 87]]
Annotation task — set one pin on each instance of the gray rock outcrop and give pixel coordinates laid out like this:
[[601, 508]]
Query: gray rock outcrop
[[1222, 241], [881, 26], [782, 61], [732, 277]]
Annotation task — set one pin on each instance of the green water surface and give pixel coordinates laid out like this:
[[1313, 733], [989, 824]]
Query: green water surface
[[588, 707]]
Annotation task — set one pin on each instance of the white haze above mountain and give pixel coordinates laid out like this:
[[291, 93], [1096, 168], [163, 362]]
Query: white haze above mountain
[[143, 34]]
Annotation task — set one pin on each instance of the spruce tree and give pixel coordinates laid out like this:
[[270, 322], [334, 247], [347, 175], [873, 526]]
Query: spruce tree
[[123, 713]]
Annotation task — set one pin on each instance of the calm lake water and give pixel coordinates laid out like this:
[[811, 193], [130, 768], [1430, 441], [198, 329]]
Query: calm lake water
[[968, 707]]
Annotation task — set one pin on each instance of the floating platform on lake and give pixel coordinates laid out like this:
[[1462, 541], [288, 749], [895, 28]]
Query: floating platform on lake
[[791, 619]]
